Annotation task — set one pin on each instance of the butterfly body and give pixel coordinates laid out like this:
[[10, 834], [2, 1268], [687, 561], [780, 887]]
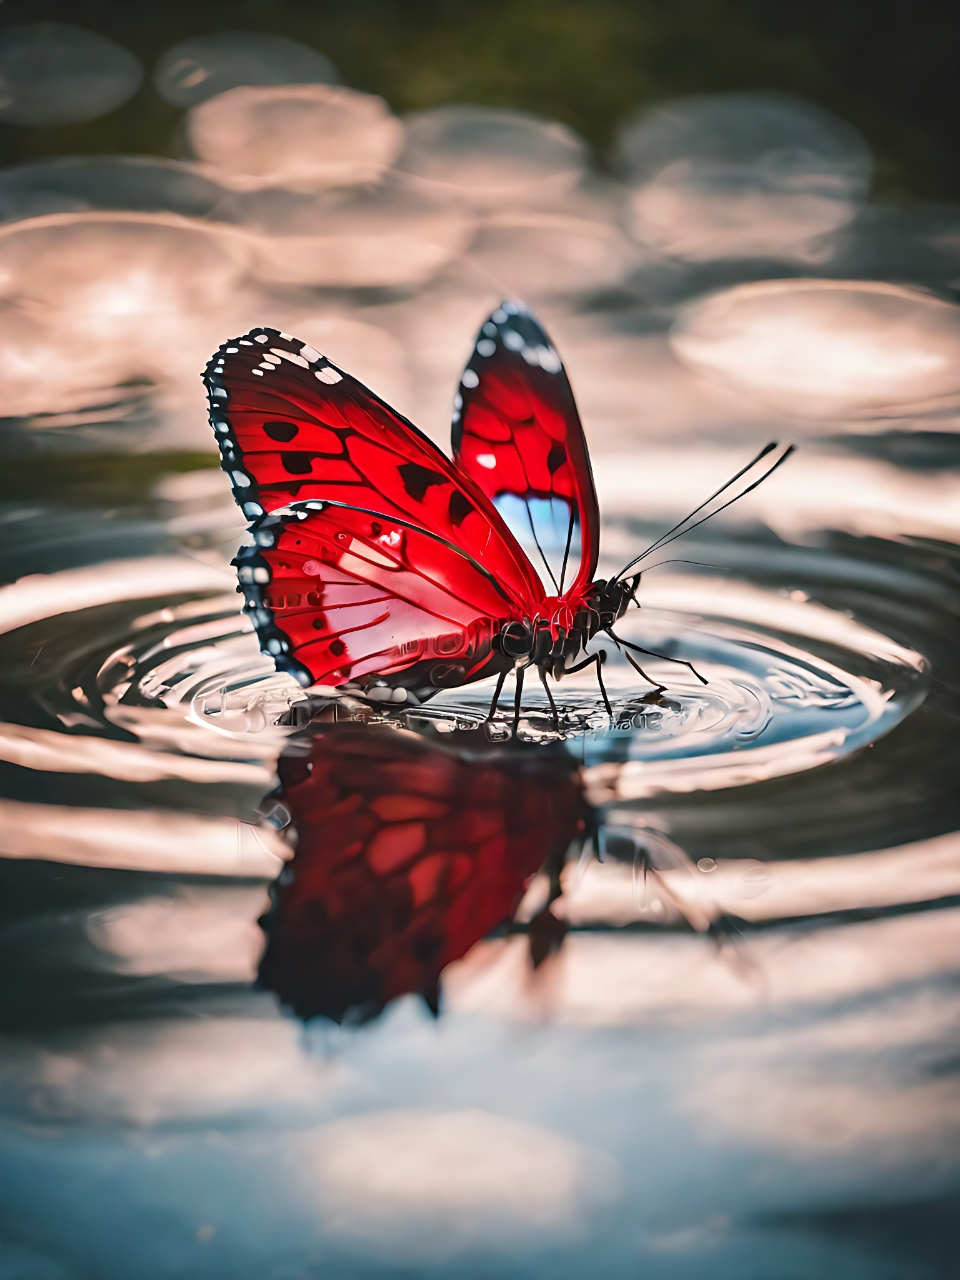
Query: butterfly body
[[563, 626]]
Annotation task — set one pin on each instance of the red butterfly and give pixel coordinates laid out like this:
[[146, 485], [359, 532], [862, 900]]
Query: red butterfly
[[408, 853], [379, 561]]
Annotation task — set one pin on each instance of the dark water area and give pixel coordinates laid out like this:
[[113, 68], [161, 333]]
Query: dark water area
[[301, 982]]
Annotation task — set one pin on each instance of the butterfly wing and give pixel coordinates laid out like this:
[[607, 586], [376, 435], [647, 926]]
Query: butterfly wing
[[517, 434], [407, 854], [292, 427], [337, 594]]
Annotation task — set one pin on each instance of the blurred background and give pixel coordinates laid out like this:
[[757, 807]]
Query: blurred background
[[888, 68], [738, 222]]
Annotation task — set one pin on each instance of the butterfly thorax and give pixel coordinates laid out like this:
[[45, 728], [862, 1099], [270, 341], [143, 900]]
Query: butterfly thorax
[[563, 626]]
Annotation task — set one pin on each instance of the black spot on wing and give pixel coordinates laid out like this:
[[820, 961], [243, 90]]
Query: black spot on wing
[[460, 507], [283, 431], [417, 480], [297, 464], [556, 458]]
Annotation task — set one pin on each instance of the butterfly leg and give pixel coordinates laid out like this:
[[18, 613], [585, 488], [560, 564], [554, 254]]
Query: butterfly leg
[[595, 658], [598, 658], [580, 666], [496, 695], [553, 705], [601, 658], [516, 700], [650, 653], [637, 667]]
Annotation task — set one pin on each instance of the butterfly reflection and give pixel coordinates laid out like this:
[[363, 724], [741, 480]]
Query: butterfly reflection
[[409, 850]]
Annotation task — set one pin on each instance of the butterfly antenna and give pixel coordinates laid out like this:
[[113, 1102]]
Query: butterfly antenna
[[679, 530], [701, 564], [742, 494]]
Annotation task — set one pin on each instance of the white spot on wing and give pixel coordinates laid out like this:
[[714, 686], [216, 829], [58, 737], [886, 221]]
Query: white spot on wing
[[513, 340], [288, 355], [369, 553], [261, 337], [309, 354], [487, 460], [486, 347], [470, 378], [328, 375]]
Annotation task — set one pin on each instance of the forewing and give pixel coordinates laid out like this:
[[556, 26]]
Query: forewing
[[407, 854], [336, 594], [292, 427], [517, 434]]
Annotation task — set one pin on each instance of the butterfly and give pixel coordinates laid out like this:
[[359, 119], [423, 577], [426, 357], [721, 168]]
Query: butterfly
[[408, 852], [378, 562]]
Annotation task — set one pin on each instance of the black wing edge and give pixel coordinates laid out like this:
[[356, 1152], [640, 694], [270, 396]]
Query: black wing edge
[[253, 571]]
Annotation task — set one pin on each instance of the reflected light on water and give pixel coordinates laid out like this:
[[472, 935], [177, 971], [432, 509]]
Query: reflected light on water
[[826, 348], [301, 136], [171, 1071], [425, 1185], [199, 935], [140, 841], [41, 595], [114, 264], [72, 184], [549, 254], [490, 158], [864, 497], [202, 67], [921, 872], [41, 749], [52, 73], [633, 980], [742, 176], [385, 236]]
